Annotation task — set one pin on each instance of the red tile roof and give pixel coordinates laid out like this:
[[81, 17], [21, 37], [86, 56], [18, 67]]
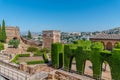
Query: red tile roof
[[105, 36]]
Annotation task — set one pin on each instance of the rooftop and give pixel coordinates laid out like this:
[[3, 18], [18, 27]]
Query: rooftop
[[105, 36]]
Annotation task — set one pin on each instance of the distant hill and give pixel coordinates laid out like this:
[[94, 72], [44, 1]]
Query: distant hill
[[112, 31]]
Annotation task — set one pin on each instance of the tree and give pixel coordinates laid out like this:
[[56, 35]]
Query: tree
[[0, 34], [14, 43], [3, 32], [29, 35]]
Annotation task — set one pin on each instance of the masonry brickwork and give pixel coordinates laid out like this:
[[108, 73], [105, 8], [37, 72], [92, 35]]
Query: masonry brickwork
[[12, 32], [49, 37]]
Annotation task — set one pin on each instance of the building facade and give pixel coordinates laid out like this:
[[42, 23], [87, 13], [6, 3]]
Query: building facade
[[49, 37], [12, 33], [109, 40]]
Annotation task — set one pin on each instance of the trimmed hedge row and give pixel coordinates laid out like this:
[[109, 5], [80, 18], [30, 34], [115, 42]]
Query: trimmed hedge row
[[30, 62], [96, 59], [69, 53], [35, 62], [24, 55], [32, 49], [56, 50], [85, 50], [45, 57], [37, 54], [15, 59]]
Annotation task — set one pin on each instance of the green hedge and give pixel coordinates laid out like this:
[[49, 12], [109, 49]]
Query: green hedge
[[114, 63], [84, 50], [96, 59], [69, 53], [24, 55], [56, 50], [45, 57], [32, 49], [15, 58], [35, 62], [1, 46], [38, 53]]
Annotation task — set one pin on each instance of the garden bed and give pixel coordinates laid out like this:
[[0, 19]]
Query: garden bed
[[39, 59]]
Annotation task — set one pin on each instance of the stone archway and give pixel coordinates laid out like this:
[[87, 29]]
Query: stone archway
[[109, 46], [15, 38]]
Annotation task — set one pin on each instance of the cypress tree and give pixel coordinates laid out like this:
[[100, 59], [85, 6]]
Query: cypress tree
[[29, 35], [0, 34], [3, 31]]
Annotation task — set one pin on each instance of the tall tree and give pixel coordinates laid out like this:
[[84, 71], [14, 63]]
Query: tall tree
[[0, 33], [3, 31], [29, 35]]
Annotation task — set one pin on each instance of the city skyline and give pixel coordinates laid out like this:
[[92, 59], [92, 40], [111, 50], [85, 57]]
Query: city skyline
[[67, 16]]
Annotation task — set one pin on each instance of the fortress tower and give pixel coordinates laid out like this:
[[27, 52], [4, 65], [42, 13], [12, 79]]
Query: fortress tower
[[12, 33], [49, 37]]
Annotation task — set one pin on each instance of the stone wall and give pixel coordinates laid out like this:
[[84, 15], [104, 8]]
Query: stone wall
[[49, 37], [63, 75], [12, 32]]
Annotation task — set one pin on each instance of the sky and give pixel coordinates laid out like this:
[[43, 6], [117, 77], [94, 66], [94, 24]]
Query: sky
[[63, 15]]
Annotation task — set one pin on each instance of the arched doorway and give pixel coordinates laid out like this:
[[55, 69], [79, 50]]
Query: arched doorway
[[106, 72], [14, 38], [73, 65], [109, 46], [88, 68]]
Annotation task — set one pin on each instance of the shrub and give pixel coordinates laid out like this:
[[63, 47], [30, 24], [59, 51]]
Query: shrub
[[1, 46], [14, 43], [32, 49], [38, 53], [117, 45], [45, 50], [45, 57], [35, 62], [24, 55]]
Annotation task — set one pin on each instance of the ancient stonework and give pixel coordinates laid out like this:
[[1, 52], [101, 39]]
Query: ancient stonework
[[49, 37], [12, 33]]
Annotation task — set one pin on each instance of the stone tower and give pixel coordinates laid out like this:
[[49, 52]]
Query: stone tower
[[49, 37], [12, 33]]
